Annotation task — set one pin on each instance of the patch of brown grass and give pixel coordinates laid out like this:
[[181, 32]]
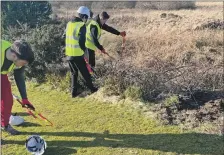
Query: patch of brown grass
[[164, 49], [169, 49]]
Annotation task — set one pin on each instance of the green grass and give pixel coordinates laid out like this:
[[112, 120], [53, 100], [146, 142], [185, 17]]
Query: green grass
[[171, 100], [84, 126]]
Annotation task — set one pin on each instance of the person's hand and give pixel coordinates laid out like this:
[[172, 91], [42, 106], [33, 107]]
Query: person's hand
[[27, 103], [123, 34]]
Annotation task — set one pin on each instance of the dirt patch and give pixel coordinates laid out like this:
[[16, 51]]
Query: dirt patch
[[191, 111]]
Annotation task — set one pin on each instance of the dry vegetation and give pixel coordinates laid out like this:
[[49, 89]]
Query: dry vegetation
[[169, 51], [173, 57], [68, 7], [173, 47]]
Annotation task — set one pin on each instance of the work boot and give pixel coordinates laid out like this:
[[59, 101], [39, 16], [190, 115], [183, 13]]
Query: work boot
[[10, 130], [75, 94], [94, 89], [2, 142]]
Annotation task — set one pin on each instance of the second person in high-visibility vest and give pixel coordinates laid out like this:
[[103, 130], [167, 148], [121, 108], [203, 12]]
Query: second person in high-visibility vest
[[93, 35], [90, 18], [74, 50]]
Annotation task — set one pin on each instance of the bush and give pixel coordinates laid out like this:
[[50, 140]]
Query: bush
[[46, 42], [29, 12], [110, 86], [133, 93], [172, 100], [160, 76]]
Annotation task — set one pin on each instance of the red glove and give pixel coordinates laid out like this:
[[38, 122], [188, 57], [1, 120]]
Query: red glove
[[28, 104], [123, 34]]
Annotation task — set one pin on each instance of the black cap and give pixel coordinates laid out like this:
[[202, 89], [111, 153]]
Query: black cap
[[23, 50], [104, 15]]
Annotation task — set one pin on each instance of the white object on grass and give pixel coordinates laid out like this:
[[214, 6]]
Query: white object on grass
[[16, 120], [36, 145]]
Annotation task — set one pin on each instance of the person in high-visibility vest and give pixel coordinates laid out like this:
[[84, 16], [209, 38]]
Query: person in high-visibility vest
[[13, 58], [93, 35], [87, 23], [74, 50], [90, 18]]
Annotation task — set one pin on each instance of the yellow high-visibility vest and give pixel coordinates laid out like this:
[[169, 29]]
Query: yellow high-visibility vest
[[89, 39], [4, 46], [72, 39], [88, 21]]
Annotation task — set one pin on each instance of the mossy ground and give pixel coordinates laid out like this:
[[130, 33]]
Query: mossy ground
[[86, 126]]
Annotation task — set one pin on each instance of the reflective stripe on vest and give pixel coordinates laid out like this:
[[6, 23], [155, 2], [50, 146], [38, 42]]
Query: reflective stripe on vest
[[4, 46], [72, 46], [72, 39], [89, 38]]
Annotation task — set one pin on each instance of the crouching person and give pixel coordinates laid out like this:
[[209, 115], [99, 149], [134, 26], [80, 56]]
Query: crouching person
[[13, 58]]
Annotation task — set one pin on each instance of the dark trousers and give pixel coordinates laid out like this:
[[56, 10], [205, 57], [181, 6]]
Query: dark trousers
[[91, 60], [78, 64]]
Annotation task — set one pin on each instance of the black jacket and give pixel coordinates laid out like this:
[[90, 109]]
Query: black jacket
[[20, 81], [19, 77], [94, 31], [82, 36]]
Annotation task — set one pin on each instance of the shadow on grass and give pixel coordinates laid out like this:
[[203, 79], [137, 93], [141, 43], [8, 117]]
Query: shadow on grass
[[59, 150], [29, 124], [188, 143], [20, 114]]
